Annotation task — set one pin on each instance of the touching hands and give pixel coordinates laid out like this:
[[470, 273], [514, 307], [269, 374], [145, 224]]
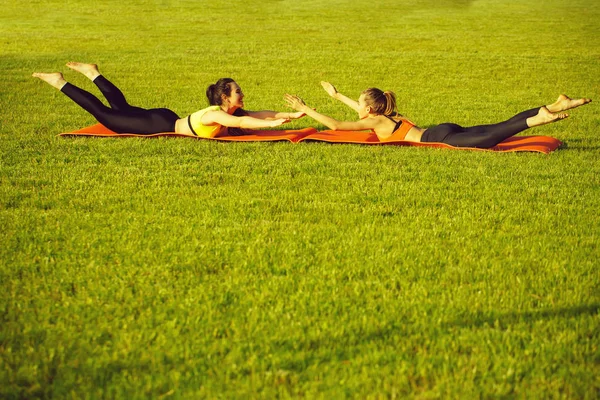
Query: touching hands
[[296, 115], [329, 88], [295, 102], [278, 121]]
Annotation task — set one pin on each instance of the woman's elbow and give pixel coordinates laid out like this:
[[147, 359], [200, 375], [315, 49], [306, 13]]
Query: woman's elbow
[[243, 122]]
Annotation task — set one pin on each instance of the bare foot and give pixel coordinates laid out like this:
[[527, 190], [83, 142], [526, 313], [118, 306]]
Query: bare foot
[[544, 116], [53, 78], [564, 103], [89, 70]]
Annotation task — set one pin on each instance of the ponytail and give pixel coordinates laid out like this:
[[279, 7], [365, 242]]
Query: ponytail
[[383, 103], [390, 103], [210, 92]]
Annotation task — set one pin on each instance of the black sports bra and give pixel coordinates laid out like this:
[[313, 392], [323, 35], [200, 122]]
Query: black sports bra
[[397, 123]]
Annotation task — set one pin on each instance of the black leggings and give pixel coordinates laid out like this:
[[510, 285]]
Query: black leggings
[[121, 117], [482, 136]]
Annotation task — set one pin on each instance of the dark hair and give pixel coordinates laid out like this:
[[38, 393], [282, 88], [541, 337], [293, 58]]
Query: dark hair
[[381, 102], [216, 90]]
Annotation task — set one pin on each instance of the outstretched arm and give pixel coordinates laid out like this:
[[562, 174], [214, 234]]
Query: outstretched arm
[[332, 91], [246, 122], [267, 114], [298, 104]]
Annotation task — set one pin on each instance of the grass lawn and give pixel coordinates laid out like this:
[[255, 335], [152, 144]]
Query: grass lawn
[[176, 268]]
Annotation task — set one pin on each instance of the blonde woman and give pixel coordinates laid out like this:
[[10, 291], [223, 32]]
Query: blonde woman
[[377, 111]]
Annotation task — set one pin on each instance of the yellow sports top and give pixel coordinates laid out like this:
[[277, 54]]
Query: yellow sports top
[[207, 131]]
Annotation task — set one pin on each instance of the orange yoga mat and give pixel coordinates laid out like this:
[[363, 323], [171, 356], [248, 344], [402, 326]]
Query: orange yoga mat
[[542, 144]]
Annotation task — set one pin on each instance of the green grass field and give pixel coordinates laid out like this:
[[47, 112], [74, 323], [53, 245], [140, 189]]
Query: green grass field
[[175, 268]]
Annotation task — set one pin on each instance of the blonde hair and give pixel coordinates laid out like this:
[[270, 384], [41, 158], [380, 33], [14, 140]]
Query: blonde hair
[[381, 102]]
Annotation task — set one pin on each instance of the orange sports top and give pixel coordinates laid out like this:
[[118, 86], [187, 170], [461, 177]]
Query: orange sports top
[[400, 130]]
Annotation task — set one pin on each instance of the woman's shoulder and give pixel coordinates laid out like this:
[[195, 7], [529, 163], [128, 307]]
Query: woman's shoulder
[[205, 110], [197, 116], [209, 108]]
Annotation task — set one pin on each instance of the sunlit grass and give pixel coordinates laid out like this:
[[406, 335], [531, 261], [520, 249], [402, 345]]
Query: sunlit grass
[[170, 267]]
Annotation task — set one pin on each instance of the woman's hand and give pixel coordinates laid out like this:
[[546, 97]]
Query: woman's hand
[[295, 102], [296, 115], [329, 88], [277, 122]]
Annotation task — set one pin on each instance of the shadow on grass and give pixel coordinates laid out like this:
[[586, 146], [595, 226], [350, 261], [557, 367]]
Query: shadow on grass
[[567, 146], [505, 319], [375, 334]]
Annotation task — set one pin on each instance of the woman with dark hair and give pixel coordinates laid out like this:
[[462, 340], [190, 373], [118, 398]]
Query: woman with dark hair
[[377, 111], [226, 99]]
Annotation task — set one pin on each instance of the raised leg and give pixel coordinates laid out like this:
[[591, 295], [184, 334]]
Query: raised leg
[[89, 70], [113, 95], [486, 136], [564, 103], [54, 79], [544, 116]]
